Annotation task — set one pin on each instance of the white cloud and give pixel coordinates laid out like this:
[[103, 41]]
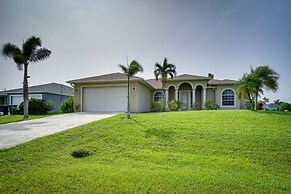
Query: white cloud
[[77, 13]]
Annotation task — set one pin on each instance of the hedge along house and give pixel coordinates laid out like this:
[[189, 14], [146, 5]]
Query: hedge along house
[[108, 93], [51, 92]]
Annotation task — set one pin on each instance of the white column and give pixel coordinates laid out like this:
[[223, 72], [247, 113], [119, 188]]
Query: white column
[[176, 94], [167, 97], [193, 96], [204, 98]]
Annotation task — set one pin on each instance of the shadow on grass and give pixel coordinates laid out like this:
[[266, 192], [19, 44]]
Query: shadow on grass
[[156, 132]]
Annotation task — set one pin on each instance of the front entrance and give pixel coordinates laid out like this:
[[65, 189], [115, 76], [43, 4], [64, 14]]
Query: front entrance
[[185, 100]]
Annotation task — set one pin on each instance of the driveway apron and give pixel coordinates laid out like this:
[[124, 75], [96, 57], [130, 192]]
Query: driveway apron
[[12, 134]]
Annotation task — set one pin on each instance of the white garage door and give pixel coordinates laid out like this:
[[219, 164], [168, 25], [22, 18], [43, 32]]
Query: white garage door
[[111, 99]]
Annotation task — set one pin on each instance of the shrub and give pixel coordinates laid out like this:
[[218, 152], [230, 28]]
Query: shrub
[[260, 106], [36, 107], [285, 106], [80, 154], [174, 105], [210, 105], [195, 106], [67, 106], [76, 107], [158, 106]]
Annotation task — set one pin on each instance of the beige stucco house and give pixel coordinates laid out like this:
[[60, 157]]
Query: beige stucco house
[[108, 93]]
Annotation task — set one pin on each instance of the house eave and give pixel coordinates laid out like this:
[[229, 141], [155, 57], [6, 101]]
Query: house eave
[[110, 81]]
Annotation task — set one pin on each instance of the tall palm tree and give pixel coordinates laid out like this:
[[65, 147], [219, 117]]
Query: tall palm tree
[[30, 52], [162, 72], [130, 70], [251, 85]]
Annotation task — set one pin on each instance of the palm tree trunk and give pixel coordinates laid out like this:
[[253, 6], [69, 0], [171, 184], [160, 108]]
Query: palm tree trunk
[[164, 91], [256, 102], [128, 100], [25, 92]]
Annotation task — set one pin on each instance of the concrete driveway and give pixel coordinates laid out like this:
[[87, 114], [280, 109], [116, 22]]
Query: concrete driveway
[[12, 134]]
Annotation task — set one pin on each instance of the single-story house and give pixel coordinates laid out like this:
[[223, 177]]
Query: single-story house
[[273, 106], [52, 92], [108, 93]]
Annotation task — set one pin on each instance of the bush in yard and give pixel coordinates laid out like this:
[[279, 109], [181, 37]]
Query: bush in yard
[[285, 106], [67, 106], [80, 154], [158, 106], [195, 106], [210, 105], [36, 107], [174, 105]]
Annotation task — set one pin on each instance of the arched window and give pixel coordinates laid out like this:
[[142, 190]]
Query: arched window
[[227, 97], [158, 96]]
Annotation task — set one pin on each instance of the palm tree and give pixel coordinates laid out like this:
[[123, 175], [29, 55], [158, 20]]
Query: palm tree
[[246, 89], [266, 100], [130, 70], [267, 79], [162, 72], [251, 85], [277, 102], [22, 57]]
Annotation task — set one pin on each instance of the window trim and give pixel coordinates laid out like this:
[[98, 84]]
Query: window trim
[[156, 93], [231, 106]]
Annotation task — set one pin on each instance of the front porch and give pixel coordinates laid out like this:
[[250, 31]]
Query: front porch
[[190, 96]]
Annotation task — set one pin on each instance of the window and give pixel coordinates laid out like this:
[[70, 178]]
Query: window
[[227, 97], [158, 96]]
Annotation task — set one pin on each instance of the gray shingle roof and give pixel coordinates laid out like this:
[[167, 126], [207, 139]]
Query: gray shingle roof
[[157, 84], [189, 77], [54, 88], [219, 82]]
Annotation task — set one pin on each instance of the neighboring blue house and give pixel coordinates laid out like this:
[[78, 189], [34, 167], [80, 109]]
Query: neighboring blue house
[[51, 92], [273, 106]]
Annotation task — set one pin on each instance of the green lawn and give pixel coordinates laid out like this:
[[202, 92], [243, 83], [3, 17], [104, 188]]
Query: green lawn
[[15, 118], [177, 152]]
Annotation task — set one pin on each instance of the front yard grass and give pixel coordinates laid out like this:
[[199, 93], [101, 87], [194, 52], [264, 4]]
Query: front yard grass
[[177, 152], [15, 118]]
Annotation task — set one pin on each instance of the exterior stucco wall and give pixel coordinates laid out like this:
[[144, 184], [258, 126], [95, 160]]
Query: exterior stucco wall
[[57, 99], [210, 95], [220, 89], [134, 96], [144, 98], [193, 83]]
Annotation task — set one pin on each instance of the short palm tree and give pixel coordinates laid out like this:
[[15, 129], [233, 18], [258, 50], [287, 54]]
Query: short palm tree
[[162, 72], [22, 57], [130, 70]]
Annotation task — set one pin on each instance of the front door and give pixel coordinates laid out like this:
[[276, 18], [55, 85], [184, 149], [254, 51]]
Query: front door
[[184, 98]]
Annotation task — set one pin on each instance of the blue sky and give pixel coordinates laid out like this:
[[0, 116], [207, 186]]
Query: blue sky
[[89, 37]]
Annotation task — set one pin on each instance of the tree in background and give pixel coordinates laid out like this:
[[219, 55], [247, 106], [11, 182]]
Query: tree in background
[[30, 52], [162, 72], [130, 70], [253, 84], [266, 100]]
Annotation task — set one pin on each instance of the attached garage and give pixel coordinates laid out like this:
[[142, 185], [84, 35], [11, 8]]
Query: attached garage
[[104, 99]]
